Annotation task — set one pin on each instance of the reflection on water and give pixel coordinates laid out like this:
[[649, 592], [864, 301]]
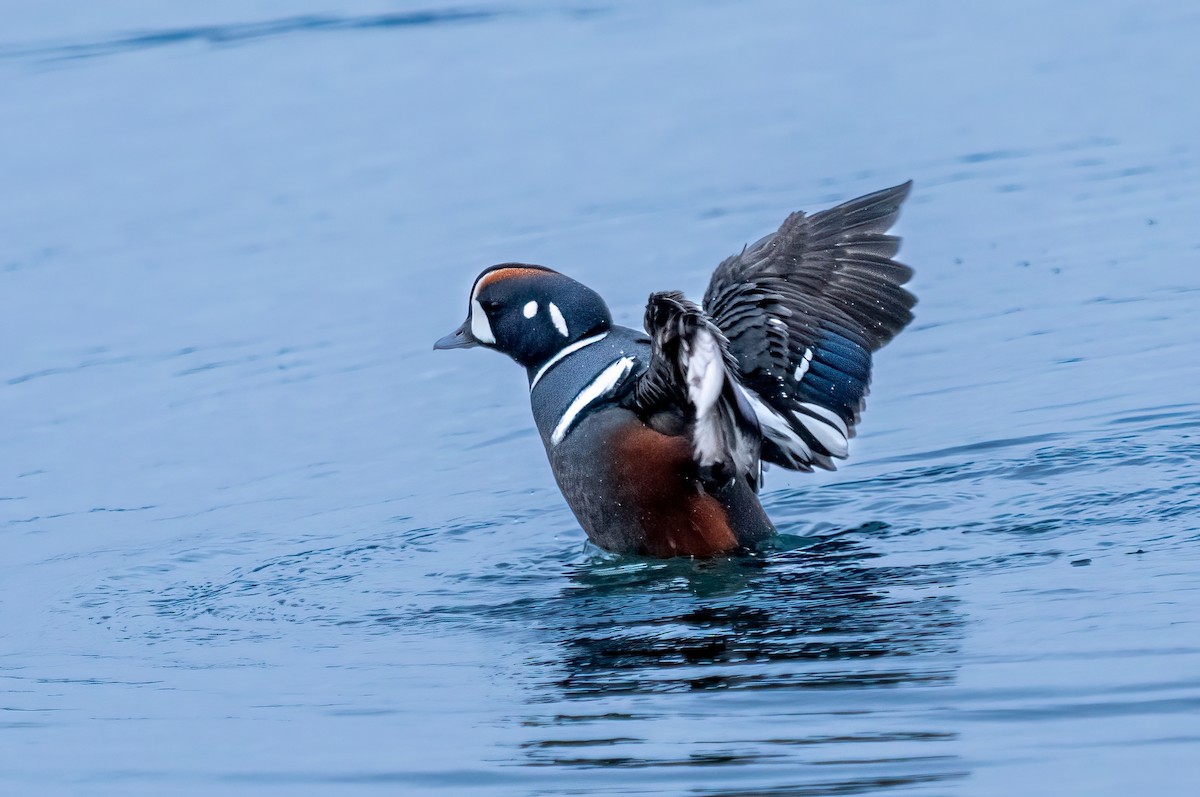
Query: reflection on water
[[813, 625], [758, 623]]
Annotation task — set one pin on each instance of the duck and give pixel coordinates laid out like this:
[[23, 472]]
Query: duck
[[658, 438]]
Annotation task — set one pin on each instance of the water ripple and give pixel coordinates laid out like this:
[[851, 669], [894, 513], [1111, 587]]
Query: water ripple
[[237, 33]]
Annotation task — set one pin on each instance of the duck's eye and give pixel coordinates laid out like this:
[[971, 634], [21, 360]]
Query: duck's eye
[[490, 304]]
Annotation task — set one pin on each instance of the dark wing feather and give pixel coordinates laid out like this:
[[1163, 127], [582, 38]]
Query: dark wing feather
[[803, 309], [690, 388]]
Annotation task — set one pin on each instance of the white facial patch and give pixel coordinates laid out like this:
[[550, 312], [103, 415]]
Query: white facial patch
[[481, 328], [530, 310], [560, 323]]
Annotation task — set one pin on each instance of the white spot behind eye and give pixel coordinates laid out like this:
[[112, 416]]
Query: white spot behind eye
[[481, 328], [560, 323], [530, 310]]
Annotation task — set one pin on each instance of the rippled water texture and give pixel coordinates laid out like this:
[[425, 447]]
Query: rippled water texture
[[259, 539]]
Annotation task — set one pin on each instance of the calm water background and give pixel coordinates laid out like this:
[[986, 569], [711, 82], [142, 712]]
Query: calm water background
[[258, 538]]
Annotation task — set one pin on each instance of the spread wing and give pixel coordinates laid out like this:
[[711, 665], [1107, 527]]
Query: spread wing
[[690, 388], [803, 309]]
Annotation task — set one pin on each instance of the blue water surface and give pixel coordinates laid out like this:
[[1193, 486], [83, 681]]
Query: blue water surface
[[257, 538]]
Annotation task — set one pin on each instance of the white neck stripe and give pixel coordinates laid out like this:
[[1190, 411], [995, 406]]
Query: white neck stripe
[[563, 352]]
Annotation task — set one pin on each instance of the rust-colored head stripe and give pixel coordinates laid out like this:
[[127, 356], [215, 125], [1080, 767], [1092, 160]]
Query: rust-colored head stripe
[[507, 272]]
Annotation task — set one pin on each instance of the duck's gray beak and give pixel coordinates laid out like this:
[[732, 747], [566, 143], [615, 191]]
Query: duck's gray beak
[[460, 338]]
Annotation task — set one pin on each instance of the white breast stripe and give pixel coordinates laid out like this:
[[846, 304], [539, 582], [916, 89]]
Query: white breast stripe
[[563, 352], [601, 386]]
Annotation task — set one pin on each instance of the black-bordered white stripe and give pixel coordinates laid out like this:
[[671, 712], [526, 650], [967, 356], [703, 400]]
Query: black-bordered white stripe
[[825, 425], [600, 387], [778, 430], [563, 352], [555, 385]]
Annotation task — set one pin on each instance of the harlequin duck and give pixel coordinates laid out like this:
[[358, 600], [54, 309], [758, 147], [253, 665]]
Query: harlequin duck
[[657, 440]]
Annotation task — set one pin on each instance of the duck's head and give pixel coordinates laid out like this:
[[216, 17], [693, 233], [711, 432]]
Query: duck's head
[[529, 313]]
